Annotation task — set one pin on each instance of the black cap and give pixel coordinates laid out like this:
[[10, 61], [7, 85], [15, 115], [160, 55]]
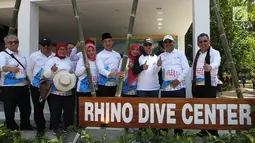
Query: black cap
[[45, 41], [106, 36]]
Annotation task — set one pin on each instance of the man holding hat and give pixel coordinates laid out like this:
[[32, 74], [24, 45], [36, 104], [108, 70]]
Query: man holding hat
[[108, 66], [175, 69], [147, 70], [37, 61]]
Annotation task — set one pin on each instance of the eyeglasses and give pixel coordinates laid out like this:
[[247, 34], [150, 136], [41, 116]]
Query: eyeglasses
[[13, 42], [203, 41], [147, 44], [168, 41]]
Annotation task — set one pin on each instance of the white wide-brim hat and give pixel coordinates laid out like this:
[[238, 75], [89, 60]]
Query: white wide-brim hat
[[64, 80]]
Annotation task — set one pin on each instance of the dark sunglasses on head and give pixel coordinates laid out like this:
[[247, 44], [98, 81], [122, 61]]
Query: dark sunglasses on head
[[13, 42], [203, 41], [168, 41], [147, 44]]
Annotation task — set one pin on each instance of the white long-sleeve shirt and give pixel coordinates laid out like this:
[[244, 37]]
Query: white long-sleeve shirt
[[107, 62], [80, 72], [64, 64], [11, 78], [214, 63], [37, 61], [74, 57], [147, 80], [174, 66]]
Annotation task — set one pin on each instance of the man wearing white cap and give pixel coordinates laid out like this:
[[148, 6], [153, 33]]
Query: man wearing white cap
[[175, 68]]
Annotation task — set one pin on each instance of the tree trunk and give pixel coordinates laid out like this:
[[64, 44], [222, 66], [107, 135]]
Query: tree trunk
[[227, 50], [82, 49], [12, 28], [127, 44]]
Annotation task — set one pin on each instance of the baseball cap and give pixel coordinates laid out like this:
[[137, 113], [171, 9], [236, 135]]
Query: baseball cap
[[168, 37], [45, 41], [148, 40]]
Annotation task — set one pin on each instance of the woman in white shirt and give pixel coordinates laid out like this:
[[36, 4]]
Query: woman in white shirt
[[60, 100], [83, 84]]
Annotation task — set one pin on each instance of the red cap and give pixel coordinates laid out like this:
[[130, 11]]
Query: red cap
[[90, 40]]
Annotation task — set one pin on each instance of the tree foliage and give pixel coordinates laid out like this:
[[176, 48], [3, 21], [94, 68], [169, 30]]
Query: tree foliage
[[240, 35]]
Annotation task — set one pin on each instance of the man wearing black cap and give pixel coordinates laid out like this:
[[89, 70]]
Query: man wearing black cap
[[107, 62], [36, 63], [147, 70]]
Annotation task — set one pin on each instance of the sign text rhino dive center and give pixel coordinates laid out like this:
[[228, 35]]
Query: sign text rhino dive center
[[161, 112]]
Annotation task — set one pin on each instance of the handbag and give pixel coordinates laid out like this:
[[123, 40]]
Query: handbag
[[44, 89]]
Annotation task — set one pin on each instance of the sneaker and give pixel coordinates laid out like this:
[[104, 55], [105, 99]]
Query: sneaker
[[55, 132], [64, 130]]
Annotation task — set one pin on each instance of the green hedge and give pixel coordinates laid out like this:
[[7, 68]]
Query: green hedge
[[143, 136]]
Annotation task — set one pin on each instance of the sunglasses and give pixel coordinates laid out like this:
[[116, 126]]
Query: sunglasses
[[168, 41], [203, 41], [147, 44], [44, 45], [13, 42]]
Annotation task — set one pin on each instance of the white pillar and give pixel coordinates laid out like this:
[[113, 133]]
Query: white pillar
[[28, 27], [201, 20], [181, 42]]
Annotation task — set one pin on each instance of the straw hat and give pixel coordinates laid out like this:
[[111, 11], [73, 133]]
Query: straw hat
[[64, 80]]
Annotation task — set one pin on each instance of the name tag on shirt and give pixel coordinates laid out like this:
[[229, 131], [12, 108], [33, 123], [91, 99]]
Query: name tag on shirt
[[170, 74], [21, 73]]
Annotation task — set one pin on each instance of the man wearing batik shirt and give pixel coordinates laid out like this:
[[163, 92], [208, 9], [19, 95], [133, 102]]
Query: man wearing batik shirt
[[205, 71], [37, 61], [107, 62], [14, 85], [175, 68]]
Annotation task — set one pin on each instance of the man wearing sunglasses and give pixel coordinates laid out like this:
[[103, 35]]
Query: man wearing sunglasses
[[205, 71], [175, 69], [14, 85], [146, 69], [37, 60]]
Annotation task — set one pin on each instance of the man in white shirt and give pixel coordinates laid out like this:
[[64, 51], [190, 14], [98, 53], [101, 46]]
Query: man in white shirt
[[107, 62], [205, 70], [37, 61], [175, 68], [14, 85], [146, 69]]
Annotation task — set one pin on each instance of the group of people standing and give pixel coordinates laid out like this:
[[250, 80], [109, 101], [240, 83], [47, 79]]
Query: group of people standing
[[141, 78]]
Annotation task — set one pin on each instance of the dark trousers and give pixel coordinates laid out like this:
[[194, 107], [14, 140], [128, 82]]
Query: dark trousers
[[205, 92], [38, 108], [106, 91], [125, 95], [175, 94], [16, 96], [152, 94], [59, 103], [80, 94]]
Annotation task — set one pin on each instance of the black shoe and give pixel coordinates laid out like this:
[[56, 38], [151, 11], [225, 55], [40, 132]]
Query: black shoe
[[30, 127], [50, 127], [40, 133]]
